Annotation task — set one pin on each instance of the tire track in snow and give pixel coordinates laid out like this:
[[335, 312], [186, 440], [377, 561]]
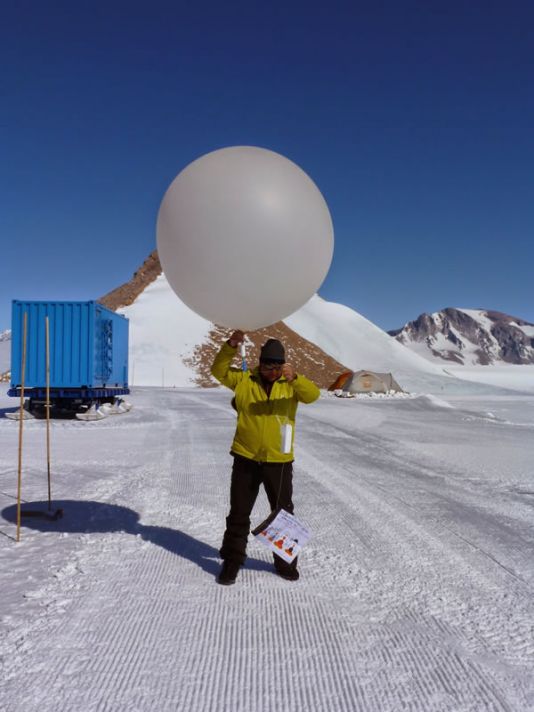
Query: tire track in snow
[[418, 534], [425, 544], [432, 484], [490, 695]]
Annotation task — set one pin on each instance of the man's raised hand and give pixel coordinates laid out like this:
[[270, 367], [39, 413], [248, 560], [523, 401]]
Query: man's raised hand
[[236, 339], [288, 372]]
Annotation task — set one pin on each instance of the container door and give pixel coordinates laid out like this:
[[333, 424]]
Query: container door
[[103, 348]]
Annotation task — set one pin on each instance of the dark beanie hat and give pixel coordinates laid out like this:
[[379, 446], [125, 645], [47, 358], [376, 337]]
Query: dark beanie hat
[[272, 350]]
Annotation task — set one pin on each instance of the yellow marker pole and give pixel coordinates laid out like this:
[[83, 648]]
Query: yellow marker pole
[[47, 336], [21, 421]]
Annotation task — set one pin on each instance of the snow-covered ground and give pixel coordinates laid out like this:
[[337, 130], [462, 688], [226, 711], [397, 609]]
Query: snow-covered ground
[[515, 378], [416, 590]]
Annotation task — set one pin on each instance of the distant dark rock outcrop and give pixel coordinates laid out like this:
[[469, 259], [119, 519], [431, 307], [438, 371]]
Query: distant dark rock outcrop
[[470, 337], [128, 292]]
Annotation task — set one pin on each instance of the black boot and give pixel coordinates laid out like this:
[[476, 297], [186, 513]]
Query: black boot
[[228, 572], [289, 572]]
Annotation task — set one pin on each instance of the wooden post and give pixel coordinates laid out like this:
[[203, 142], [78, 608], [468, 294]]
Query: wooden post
[[21, 420], [47, 337]]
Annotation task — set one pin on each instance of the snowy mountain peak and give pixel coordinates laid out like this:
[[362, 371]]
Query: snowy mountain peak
[[469, 337], [171, 345]]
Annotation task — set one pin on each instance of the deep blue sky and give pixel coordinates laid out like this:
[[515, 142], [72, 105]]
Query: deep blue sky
[[415, 119]]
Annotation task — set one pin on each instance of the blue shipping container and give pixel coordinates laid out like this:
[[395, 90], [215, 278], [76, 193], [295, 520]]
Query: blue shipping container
[[88, 345]]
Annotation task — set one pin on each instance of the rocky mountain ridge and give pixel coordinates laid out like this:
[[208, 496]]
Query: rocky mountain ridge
[[127, 293], [469, 337]]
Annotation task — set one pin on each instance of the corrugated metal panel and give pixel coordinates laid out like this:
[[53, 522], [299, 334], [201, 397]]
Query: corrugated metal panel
[[88, 345]]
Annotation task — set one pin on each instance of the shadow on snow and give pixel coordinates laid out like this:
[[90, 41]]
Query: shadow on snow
[[81, 517]]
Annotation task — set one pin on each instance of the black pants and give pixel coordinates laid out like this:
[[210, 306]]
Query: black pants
[[247, 476]]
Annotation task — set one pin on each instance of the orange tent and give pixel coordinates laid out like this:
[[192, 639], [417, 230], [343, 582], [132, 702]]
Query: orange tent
[[340, 381]]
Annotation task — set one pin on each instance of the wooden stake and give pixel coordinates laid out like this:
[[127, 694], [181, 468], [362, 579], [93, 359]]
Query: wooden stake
[[21, 421], [47, 336]]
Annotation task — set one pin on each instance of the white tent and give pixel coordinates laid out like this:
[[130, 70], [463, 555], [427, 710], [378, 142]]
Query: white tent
[[366, 382]]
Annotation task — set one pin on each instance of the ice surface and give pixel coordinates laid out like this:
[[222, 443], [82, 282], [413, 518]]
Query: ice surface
[[416, 590], [515, 378]]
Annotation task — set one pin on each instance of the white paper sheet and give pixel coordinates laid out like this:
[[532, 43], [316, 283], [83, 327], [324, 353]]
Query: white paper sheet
[[285, 535]]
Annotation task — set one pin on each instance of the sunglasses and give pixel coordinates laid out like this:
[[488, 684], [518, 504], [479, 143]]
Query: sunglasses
[[271, 366]]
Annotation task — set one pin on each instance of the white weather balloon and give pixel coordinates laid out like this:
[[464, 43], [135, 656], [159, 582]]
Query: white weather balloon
[[244, 237]]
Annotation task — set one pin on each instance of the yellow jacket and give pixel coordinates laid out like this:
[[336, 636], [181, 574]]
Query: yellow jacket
[[260, 418]]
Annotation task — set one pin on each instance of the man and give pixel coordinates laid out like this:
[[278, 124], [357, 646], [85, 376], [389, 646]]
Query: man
[[266, 400]]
